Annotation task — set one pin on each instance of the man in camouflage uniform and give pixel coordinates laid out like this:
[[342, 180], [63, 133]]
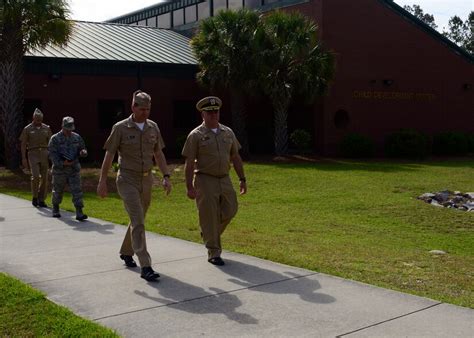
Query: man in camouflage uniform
[[209, 150], [34, 139], [65, 148], [137, 140]]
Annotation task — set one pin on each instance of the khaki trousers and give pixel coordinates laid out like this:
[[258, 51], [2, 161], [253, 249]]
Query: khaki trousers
[[38, 160], [216, 201], [135, 191]]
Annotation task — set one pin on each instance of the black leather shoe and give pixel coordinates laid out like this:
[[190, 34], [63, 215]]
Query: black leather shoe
[[81, 217], [216, 261], [34, 202], [148, 274], [56, 211], [128, 261], [41, 204]]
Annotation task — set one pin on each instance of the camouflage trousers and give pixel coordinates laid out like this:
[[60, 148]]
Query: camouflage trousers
[[71, 177]]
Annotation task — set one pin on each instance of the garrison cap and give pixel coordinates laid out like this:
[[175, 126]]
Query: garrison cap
[[209, 103], [37, 112], [141, 99], [68, 123]]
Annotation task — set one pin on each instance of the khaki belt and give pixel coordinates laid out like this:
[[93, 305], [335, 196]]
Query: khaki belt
[[216, 176], [144, 174]]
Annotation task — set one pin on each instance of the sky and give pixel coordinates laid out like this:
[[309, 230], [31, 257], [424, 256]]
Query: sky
[[101, 10]]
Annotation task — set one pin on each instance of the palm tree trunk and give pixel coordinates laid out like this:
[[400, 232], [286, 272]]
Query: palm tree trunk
[[280, 104], [239, 114], [11, 108]]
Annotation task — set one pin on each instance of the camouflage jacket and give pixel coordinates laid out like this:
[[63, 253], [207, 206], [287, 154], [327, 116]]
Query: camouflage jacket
[[63, 148]]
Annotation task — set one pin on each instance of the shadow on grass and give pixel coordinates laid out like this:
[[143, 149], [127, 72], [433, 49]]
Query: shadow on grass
[[385, 165]]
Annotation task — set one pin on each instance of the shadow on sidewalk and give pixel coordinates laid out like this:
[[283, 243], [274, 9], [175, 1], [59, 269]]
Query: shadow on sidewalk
[[218, 301], [69, 218], [251, 276]]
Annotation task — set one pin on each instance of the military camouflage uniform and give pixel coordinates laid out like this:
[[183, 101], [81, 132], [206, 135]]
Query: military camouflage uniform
[[63, 148]]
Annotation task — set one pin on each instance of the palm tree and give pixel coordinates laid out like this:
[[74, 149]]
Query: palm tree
[[225, 50], [293, 61], [24, 25]]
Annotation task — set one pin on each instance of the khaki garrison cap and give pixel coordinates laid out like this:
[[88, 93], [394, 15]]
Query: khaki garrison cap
[[68, 123], [141, 99], [209, 103]]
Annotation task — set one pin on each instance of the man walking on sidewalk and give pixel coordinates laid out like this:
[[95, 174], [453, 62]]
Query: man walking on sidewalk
[[65, 148], [34, 141], [209, 150], [137, 140]]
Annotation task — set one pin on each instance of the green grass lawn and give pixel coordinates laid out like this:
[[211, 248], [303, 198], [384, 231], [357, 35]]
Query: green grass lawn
[[25, 312], [357, 220]]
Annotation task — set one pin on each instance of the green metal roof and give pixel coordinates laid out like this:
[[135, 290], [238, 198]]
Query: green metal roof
[[113, 42]]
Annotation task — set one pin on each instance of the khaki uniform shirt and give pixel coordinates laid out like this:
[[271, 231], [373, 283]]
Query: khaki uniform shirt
[[36, 137], [211, 151], [135, 147]]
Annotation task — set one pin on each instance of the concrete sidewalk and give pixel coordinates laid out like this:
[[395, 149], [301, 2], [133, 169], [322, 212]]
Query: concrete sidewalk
[[76, 264]]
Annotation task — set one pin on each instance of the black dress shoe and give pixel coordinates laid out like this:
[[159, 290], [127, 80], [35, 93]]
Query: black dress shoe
[[81, 217], [216, 261], [128, 261], [34, 201], [148, 274], [41, 204]]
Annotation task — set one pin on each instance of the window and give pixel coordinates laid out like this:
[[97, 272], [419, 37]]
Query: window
[[164, 20], [190, 14], [151, 21], [141, 23], [235, 4], [219, 5], [178, 17], [185, 115], [253, 3], [204, 10], [109, 112], [341, 119]]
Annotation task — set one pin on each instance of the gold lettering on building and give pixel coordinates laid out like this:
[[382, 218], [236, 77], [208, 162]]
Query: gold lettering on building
[[399, 96]]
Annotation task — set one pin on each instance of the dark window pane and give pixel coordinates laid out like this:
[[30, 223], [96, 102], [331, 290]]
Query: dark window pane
[[109, 113], [185, 115]]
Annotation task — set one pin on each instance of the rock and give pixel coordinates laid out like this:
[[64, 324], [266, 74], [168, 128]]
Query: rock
[[469, 195], [437, 252], [427, 195], [435, 203]]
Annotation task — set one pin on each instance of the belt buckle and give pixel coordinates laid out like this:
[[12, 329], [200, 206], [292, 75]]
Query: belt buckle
[[145, 174]]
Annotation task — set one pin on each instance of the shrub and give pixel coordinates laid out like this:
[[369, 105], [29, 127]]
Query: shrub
[[357, 146], [301, 139], [450, 143], [471, 142], [406, 143]]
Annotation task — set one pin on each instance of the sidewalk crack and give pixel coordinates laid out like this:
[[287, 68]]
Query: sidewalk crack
[[388, 320]]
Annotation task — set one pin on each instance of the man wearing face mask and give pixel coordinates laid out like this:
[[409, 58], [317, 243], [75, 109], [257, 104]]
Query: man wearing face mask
[[137, 140], [209, 150]]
